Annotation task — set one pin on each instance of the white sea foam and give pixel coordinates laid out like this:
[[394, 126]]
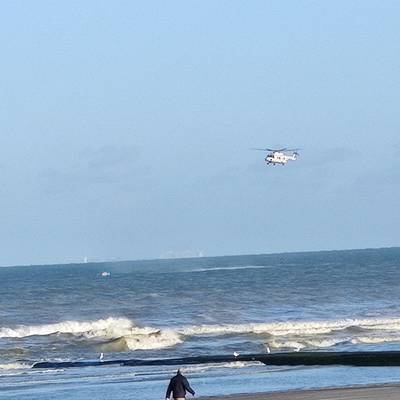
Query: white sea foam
[[230, 268], [305, 343], [160, 339], [15, 365], [286, 344], [376, 339], [234, 364], [325, 342]]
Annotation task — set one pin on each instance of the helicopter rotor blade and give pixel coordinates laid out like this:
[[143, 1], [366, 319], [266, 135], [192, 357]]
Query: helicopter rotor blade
[[273, 150]]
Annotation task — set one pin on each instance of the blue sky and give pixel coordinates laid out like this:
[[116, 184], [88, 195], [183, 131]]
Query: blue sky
[[126, 127]]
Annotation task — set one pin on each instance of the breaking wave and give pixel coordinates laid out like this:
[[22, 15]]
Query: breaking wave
[[121, 334], [102, 327], [296, 327], [154, 340]]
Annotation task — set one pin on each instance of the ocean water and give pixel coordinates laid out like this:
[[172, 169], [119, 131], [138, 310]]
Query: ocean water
[[331, 301]]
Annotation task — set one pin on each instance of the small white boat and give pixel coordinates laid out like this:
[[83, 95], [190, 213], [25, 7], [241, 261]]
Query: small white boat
[[105, 273]]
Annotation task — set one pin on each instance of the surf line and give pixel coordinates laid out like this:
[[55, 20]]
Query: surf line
[[357, 358]]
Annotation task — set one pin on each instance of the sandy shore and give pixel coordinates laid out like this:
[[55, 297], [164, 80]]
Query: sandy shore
[[379, 392]]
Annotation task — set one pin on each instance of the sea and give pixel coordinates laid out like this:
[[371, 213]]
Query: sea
[[179, 308]]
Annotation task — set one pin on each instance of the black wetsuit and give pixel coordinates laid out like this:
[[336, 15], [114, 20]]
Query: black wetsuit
[[178, 386]]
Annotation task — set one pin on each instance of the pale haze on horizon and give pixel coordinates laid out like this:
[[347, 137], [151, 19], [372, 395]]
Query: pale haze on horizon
[[126, 128]]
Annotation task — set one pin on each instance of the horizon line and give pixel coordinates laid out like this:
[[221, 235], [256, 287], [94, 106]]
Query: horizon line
[[200, 257]]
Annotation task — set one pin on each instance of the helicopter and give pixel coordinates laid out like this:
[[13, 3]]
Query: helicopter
[[280, 156]]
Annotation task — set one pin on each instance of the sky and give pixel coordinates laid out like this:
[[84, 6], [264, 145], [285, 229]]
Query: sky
[[126, 128]]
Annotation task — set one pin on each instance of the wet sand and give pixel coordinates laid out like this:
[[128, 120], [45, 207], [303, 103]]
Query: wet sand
[[378, 392]]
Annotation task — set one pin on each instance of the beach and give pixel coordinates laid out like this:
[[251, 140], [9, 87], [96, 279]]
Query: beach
[[375, 392]]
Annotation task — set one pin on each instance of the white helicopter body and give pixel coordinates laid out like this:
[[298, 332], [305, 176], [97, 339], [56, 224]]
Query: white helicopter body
[[281, 156]]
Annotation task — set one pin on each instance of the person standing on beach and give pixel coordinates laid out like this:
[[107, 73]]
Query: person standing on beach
[[178, 386]]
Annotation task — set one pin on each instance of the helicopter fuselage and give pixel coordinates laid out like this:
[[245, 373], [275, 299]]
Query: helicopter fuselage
[[278, 157]]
